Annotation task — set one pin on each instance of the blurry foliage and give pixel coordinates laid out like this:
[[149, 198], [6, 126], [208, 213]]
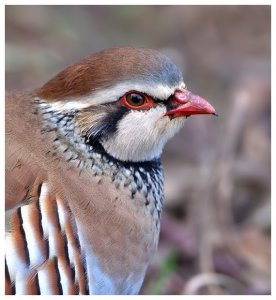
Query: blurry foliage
[[215, 232], [167, 267]]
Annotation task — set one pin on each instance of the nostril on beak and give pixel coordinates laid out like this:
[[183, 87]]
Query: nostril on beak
[[182, 97]]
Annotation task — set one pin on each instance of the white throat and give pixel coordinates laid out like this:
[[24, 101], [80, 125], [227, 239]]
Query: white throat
[[141, 135]]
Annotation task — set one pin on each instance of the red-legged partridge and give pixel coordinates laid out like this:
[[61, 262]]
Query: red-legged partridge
[[84, 180]]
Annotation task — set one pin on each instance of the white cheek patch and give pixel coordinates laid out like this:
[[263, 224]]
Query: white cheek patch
[[141, 135], [113, 93]]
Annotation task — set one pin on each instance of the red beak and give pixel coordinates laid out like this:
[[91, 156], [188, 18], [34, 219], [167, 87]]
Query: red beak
[[189, 104]]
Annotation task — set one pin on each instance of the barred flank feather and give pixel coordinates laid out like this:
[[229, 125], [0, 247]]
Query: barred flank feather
[[43, 254]]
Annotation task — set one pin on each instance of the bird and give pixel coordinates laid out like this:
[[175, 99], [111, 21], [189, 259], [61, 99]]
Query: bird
[[83, 172]]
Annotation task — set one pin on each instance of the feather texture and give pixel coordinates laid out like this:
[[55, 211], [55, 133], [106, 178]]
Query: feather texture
[[84, 180]]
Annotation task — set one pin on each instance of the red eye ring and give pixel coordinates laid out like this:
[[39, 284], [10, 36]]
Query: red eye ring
[[136, 100]]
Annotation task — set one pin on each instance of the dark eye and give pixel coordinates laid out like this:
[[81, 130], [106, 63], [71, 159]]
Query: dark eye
[[134, 99]]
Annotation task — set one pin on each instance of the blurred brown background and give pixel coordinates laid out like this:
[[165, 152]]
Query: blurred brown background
[[215, 233]]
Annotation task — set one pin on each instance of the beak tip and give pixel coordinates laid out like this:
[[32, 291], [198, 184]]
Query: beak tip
[[195, 105]]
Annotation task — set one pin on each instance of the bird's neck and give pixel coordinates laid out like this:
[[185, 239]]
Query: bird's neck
[[133, 194], [69, 144]]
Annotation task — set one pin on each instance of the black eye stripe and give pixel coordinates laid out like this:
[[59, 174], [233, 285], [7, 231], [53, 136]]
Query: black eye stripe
[[108, 125], [155, 100], [159, 101]]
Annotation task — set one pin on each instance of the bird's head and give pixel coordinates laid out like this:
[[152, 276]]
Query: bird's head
[[129, 100]]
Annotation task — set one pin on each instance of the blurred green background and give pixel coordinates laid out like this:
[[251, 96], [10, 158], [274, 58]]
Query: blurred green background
[[215, 233]]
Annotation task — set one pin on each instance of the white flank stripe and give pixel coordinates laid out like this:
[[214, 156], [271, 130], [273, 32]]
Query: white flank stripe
[[65, 282], [36, 257], [61, 216], [20, 285], [52, 245], [43, 279], [48, 228], [42, 198], [14, 263], [72, 255]]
